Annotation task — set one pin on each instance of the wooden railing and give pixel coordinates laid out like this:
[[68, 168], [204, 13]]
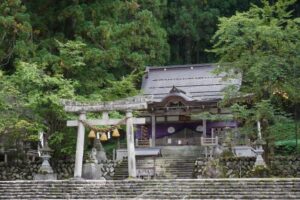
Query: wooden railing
[[204, 141], [143, 143], [177, 141], [209, 141]]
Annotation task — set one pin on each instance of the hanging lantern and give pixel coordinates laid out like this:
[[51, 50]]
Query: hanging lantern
[[116, 133], [92, 134], [103, 137]]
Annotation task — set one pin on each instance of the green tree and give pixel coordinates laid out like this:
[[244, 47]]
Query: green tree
[[87, 50], [263, 45], [191, 24], [112, 38], [30, 102], [15, 33]]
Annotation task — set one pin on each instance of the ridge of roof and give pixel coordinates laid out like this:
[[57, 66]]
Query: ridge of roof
[[180, 66]]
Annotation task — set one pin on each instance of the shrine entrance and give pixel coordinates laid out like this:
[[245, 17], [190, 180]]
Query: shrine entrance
[[127, 105]]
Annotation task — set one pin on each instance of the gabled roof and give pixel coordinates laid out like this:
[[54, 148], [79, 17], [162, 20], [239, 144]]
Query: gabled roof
[[197, 82]]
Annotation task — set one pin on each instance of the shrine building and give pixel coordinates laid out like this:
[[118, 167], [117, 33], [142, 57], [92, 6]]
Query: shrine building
[[177, 97]]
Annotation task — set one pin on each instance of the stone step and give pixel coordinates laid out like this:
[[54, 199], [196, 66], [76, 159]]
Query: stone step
[[170, 189], [170, 182], [250, 181], [103, 192], [167, 166], [165, 161], [154, 189], [134, 181], [145, 184], [168, 163], [155, 192], [48, 192]]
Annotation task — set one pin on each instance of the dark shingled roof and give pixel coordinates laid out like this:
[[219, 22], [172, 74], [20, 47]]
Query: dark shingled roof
[[195, 82]]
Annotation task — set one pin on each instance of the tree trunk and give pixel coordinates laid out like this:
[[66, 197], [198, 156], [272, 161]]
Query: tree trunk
[[188, 46], [197, 52]]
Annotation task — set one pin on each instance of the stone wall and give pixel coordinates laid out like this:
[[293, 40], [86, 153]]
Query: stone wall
[[237, 167], [242, 167], [199, 168], [63, 168], [25, 170], [223, 167], [285, 166], [108, 168]]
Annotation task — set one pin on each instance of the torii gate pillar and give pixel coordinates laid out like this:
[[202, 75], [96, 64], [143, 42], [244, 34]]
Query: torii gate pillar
[[130, 145], [79, 146]]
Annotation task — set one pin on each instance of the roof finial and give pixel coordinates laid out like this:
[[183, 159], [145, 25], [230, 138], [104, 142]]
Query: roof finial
[[176, 90]]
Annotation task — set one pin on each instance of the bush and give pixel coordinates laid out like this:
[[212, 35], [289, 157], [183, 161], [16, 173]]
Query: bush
[[287, 147], [259, 172]]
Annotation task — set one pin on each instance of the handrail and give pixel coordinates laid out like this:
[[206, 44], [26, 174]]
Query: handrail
[[209, 141]]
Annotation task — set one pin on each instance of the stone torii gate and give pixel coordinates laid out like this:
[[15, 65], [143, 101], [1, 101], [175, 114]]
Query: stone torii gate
[[127, 105]]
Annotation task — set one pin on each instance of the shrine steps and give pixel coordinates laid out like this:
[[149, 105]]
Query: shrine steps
[[175, 167], [175, 162], [153, 189], [121, 171], [165, 167], [182, 151]]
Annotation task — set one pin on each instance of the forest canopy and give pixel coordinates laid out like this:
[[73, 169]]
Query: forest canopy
[[97, 50]]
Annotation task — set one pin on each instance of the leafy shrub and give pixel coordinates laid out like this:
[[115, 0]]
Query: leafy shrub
[[287, 147]]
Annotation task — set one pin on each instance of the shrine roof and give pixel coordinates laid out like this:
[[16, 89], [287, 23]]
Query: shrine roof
[[195, 82]]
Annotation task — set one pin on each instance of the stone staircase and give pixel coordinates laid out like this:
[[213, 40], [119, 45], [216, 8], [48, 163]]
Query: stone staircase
[[165, 167], [153, 189], [175, 162], [121, 171], [175, 167], [178, 161]]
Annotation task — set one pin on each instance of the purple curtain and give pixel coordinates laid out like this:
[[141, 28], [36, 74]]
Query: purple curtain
[[162, 128]]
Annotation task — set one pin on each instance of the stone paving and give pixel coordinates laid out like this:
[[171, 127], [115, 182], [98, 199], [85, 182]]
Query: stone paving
[[277, 188]]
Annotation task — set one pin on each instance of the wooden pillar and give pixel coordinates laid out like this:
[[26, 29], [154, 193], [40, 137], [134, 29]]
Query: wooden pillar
[[204, 127], [153, 131], [130, 145], [79, 147], [204, 135]]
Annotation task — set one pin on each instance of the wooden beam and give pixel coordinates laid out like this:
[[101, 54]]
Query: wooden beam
[[98, 122]]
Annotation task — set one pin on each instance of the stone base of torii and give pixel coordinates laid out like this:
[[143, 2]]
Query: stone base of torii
[[127, 105]]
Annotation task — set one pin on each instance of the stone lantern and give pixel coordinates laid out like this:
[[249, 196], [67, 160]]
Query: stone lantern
[[45, 172], [259, 150]]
